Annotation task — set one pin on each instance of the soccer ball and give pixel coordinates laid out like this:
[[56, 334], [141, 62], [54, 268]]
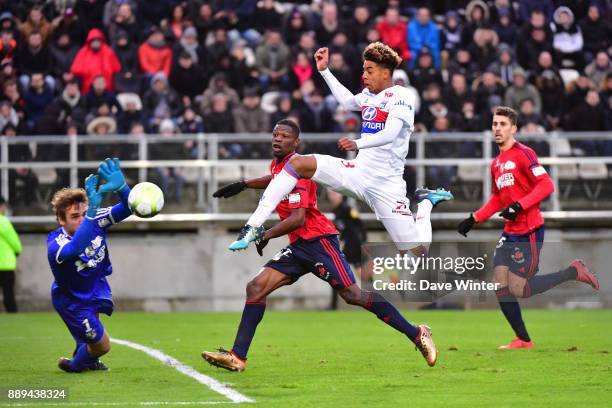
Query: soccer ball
[[146, 200]]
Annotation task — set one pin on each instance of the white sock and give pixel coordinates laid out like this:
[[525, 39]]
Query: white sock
[[423, 221], [279, 187]]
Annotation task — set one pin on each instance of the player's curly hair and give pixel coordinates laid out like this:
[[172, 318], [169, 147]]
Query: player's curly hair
[[66, 198], [383, 55], [507, 112]]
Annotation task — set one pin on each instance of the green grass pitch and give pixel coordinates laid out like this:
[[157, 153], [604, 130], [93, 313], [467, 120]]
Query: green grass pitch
[[327, 359]]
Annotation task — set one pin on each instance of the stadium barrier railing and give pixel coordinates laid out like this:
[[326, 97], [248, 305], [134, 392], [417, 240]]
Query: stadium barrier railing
[[201, 156]]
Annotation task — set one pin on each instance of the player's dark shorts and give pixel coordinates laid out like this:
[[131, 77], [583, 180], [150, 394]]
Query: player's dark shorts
[[81, 318], [520, 253], [321, 256]]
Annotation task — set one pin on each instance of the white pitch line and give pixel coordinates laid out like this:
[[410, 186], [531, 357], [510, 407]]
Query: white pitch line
[[114, 404], [210, 382]]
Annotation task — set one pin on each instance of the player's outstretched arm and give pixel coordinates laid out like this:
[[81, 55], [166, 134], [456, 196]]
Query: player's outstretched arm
[[295, 220], [84, 233], [340, 92], [110, 171], [238, 187]]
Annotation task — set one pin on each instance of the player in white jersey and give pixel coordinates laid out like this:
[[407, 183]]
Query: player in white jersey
[[376, 174]]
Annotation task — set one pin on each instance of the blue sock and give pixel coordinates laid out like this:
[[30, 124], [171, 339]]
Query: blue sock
[[82, 359], [386, 312], [78, 345], [251, 316], [512, 311], [539, 284]]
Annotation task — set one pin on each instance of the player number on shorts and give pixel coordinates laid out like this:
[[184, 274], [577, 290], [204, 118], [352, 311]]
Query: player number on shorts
[[87, 326]]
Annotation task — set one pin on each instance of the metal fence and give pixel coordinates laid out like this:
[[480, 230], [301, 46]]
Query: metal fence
[[205, 169]]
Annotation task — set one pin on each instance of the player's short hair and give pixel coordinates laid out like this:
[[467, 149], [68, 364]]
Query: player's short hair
[[295, 129], [66, 198], [507, 112], [382, 55]]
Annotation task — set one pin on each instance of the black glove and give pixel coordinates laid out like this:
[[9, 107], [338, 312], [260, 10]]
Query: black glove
[[230, 190], [511, 212], [260, 245], [466, 225]]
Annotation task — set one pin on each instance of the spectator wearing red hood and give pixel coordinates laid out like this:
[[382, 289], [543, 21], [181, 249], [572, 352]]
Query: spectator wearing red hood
[[93, 59]]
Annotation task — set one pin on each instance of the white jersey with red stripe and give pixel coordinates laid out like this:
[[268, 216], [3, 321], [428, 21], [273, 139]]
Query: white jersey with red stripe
[[396, 101]]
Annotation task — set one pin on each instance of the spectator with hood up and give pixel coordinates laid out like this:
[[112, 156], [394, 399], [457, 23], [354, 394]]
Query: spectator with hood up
[[567, 39], [93, 59]]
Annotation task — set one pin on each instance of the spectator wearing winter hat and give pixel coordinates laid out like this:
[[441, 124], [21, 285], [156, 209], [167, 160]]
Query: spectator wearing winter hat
[[154, 55], [451, 33], [504, 66], [161, 102], [187, 77], [126, 51], [505, 28], [567, 39], [520, 90], [552, 92], [477, 16], [63, 51], [170, 151]]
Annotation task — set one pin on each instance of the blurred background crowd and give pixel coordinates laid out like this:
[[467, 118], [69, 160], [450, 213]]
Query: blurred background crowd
[[168, 67]]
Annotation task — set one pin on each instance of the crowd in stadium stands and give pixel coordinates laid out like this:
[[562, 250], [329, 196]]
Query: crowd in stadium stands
[[169, 67]]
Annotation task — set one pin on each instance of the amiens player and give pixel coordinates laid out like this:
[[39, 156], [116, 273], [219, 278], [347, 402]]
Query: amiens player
[[520, 184], [313, 248]]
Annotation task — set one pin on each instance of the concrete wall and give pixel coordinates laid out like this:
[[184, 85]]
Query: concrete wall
[[161, 271]]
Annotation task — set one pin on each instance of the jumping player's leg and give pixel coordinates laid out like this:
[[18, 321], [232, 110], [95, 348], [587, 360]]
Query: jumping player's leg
[[330, 265], [381, 307], [264, 283], [297, 167]]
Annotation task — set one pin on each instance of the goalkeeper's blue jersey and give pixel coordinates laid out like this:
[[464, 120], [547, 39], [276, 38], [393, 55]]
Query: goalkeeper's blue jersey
[[84, 276]]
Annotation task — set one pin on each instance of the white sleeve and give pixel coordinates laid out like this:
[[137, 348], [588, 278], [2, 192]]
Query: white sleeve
[[343, 95], [402, 107], [393, 126]]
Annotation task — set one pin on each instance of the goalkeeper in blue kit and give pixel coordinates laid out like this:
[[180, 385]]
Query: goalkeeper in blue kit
[[80, 262]]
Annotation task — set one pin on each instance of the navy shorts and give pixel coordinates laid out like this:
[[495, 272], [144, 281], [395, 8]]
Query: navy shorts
[[520, 253], [82, 318], [321, 256]]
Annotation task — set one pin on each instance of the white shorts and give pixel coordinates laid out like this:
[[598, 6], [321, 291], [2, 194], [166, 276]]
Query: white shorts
[[385, 196]]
